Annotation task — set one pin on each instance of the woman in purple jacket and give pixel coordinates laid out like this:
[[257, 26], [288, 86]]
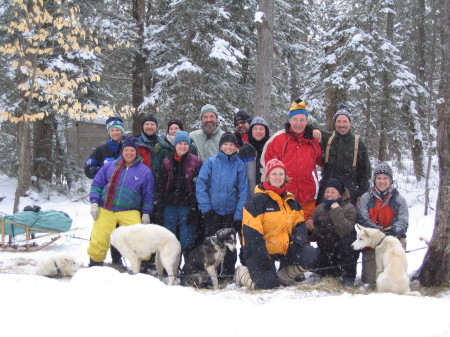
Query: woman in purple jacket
[[120, 191]]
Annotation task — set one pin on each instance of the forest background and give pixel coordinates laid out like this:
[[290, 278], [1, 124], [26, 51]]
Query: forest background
[[62, 61]]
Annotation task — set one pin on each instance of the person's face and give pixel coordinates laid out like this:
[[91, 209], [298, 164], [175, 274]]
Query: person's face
[[115, 134], [129, 154], [228, 148], [298, 122], [173, 129], [331, 193], [209, 122], [258, 132], [277, 177], [342, 124], [241, 126], [149, 128], [382, 182], [181, 148]]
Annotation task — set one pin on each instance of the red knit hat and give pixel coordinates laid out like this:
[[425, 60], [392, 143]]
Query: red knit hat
[[273, 163]]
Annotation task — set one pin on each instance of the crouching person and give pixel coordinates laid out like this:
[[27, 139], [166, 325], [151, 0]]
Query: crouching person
[[274, 230], [385, 209], [333, 227], [119, 191]]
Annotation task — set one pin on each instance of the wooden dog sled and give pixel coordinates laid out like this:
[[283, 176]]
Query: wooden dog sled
[[30, 227]]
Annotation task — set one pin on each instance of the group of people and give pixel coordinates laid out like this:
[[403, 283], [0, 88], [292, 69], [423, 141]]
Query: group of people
[[266, 187]]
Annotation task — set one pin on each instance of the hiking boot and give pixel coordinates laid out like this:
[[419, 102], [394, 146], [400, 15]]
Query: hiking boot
[[288, 274], [242, 278], [348, 282], [93, 263]]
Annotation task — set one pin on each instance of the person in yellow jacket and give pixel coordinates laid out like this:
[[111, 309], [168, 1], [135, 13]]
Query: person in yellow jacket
[[273, 229]]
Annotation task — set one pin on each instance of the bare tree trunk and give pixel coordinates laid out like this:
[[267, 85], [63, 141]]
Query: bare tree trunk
[[385, 110], [138, 65], [436, 265], [264, 56], [24, 173], [43, 149]]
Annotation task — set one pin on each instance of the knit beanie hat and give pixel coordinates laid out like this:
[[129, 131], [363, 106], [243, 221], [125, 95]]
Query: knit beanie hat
[[298, 107], [273, 163], [130, 141], [181, 136], [208, 107], [149, 118], [114, 122], [383, 168], [241, 115], [175, 121], [337, 184], [228, 137], [342, 110]]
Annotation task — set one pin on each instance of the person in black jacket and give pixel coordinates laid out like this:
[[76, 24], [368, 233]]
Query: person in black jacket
[[105, 153]]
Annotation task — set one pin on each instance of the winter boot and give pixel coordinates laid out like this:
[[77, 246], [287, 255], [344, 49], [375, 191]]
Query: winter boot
[[288, 274], [242, 278], [116, 258], [93, 263]]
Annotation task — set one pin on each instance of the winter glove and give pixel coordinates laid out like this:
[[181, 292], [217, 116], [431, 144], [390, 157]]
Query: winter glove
[[391, 231], [107, 160], [145, 219], [193, 216], [94, 211], [238, 225], [299, 234]]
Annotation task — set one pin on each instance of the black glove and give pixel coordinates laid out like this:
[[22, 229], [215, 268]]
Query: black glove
[[299, 234], [193, 216], [391, 231], [208, 215]]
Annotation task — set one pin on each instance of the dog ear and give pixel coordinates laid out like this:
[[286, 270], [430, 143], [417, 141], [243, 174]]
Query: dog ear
[[360, 227]]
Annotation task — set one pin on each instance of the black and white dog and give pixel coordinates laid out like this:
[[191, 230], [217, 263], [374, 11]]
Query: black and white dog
[[205, 260]]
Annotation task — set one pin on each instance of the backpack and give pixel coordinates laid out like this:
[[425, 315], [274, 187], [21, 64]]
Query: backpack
[[355, 151]]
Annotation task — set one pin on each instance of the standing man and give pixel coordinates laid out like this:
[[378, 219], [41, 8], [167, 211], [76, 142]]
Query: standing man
[[241, 123], [385, 209], [345, 157], [152, 147], [206, 140], [296, 147]]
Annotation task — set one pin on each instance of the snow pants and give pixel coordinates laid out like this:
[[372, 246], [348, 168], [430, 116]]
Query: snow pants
[[102, 228]]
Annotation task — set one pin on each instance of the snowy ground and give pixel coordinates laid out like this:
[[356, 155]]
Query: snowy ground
[[101, 301]]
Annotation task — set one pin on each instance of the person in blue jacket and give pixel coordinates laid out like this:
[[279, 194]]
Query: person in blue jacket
[[121, 194], [222, 190]]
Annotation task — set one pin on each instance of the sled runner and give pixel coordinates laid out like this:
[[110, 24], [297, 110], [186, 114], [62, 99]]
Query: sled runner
[[32, 226]]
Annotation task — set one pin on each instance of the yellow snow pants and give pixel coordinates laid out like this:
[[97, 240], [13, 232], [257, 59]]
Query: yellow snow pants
[[102, 228]]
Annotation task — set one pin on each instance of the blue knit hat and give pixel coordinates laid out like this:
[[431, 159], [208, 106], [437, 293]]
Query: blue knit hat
[[114, 122], [130, 141], [181, 136]]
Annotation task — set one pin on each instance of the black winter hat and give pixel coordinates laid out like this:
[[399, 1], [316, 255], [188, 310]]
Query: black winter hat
[[242, 115], [337, 184], [228, 137], [149, 118], [175, 121]]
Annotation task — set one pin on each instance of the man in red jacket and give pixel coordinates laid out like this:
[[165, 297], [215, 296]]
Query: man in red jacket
[[296, 147]]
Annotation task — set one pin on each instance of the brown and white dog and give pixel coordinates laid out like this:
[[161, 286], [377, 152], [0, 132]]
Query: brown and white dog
[[390, 258], [138, 242]]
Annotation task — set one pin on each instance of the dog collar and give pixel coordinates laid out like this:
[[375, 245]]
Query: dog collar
[[58, 270], [379, 243]]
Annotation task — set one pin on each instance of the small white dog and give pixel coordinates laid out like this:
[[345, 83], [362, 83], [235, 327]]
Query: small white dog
[[137, 242], [390, 258], [57, 265]]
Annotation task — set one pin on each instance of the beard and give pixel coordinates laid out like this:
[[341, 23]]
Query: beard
[[209, 127]]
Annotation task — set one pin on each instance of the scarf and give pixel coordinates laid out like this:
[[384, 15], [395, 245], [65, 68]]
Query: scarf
[[278, 191], [112, 186]]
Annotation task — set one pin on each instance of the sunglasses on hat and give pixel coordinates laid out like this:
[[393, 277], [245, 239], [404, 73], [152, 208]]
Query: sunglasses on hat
[[237, 123]]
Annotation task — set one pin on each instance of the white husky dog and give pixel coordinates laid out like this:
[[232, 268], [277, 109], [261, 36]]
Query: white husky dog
[[137, 242], [390, 258], [57, 265]]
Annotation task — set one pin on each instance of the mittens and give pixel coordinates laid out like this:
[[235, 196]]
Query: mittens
[[145, 219], [94, 211]]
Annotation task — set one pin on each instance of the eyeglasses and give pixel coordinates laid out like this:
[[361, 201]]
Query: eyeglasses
[[237, 123]]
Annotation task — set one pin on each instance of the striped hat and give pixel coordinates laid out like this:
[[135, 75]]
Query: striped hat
[[298, 107]]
